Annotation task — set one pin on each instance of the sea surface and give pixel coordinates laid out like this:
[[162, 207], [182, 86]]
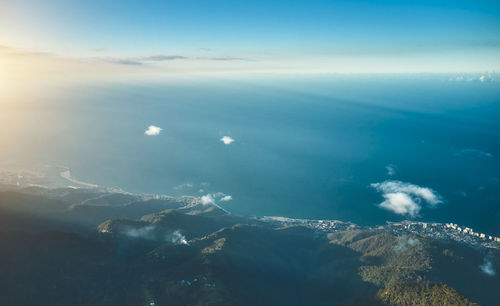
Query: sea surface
[[305, 146]]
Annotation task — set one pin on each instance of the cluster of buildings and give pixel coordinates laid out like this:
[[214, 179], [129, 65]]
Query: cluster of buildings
[[467, 230], [443, 231], [425, 229], [203, 281], [320, 225]]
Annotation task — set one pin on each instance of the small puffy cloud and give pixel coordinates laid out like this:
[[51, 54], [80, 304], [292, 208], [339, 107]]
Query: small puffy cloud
[[227, 140], [211, 198], [153, 130], [207, 199], [391, 169], [405, 198], [176, 237], [400, 203], [226, 198]]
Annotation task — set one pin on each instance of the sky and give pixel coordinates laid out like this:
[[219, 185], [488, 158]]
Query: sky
[[149, 37]]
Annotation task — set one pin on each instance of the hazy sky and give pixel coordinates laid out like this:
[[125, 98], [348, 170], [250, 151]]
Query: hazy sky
[[325, 36]]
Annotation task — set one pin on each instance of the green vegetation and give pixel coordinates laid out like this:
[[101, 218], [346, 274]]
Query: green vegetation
[[200, 255], [423, 293]]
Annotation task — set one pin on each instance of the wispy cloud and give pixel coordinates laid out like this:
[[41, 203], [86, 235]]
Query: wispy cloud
[[487, 266], [474, 152], [391, 169], [160, 58], [227, 58], [153, 232], [122, 61], [404, 244], [182, 186], [226, 198], [405, 198], [165, 57], [227, 140], [153, 130], [473, 78]]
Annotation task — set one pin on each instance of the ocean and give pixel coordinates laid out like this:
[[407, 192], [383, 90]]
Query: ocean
[[304, 146]]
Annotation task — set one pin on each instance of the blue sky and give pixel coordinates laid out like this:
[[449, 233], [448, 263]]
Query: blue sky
[[435, 35]]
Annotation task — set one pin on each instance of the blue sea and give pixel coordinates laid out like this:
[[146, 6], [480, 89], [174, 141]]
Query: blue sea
[[305, 146]]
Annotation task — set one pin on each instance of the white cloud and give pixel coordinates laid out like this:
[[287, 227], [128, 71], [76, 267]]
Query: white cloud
[[472, 78], [211, 198], [153, 130], [391, 170], [182, 186], [176, 237], [405, 198], [400, 203], [474, 152], [487, 266], [207, 199], [226, 198], [227, 140], [151, 232], [404, 244], [429, 195]]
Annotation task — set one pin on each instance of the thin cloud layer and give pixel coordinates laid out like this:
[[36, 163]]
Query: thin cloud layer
[[182, 186], [164, 58], [404, 244], [227, 140], [405, 198], [487, 266], [474, 152], [153, 130], [391, 169], [473, 78]]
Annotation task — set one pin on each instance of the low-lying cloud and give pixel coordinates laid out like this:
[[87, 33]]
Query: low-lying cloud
[[207, 199], [404, 244], [405, 198], [176, 237], [213, 198], [153, 130], [487, 266], [152, 232]]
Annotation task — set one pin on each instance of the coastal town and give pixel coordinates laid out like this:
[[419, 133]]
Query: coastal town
[[445, 231], [442, 231]]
